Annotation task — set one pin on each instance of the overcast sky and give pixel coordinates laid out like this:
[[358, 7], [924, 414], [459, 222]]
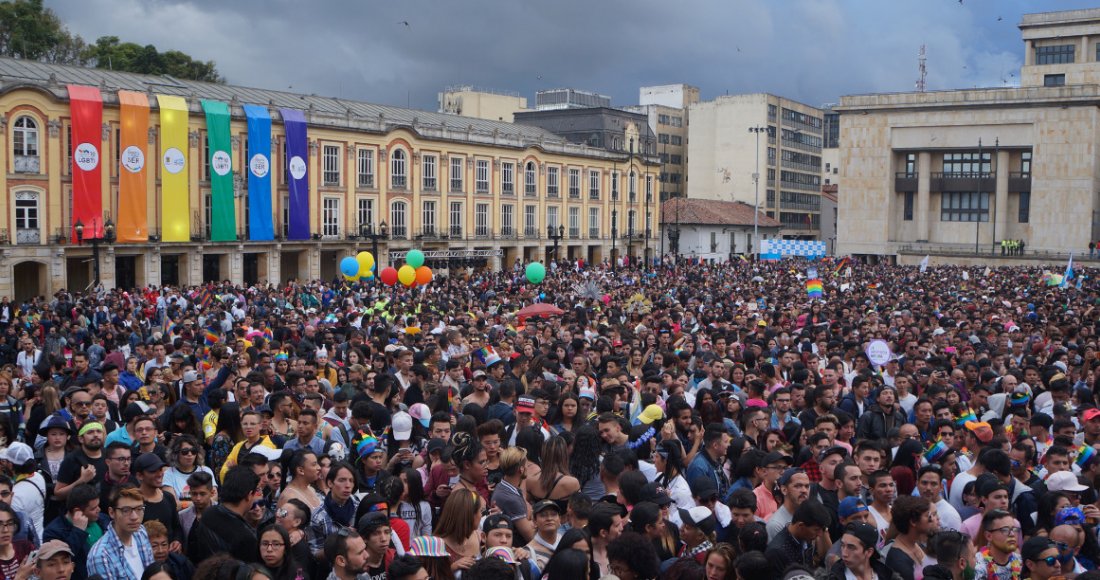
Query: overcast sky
[[809, 50]]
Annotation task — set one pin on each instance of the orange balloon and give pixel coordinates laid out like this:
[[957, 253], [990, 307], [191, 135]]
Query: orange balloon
[[423, 275]]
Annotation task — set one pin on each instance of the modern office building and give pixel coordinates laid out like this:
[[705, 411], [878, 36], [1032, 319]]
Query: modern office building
[[666, 108], [727, 158], [485, 104], [952, 173], [181, 182]]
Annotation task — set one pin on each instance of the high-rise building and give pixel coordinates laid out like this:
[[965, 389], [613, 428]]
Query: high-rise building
[[485, 104], [666, 108]]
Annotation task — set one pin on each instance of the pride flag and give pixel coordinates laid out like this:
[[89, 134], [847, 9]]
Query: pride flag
[[963, 419], [1084, 454], [841, 265], [814, 288]]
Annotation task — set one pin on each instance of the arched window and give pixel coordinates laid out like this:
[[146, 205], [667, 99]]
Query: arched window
[[25, 137], [529, 179], [399, 225], [398, 169]]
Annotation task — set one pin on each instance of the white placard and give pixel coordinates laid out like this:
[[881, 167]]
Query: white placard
[[133, 159], [297, 167], [174, 161], [878, 351], [86, 156], [258, 165], [221, 163]]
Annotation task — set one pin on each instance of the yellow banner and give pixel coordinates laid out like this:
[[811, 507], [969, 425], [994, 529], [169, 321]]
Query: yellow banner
[[132, 205], [175, 208]]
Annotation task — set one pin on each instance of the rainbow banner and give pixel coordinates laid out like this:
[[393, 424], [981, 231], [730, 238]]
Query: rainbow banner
[[260, 227], [935, 451], [814, 288], [86, 106], [133, 202], [962, 420], [297, 154], [223, 226], [175, 211], [1084, 454]]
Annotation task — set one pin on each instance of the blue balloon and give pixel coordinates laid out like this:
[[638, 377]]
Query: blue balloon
[[349, 266]]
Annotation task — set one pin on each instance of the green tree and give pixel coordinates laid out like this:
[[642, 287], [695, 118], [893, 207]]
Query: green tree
[[31, 31], [109, 52]]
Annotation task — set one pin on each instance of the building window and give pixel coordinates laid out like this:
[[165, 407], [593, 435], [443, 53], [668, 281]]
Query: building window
[[481, 220], [649, 188], [676, 140], [429, 179], [366, 168], [1055, 54], [594, 184], [907, 214], [594, 223], [964, 207], [365, 212], [1054, 80], [330, 217], [427, 218], [614, 186], [481, 176], [25, 138], [331, 158], [208, 213], [631, 222], [508, 220], [552, 217], [632, 187], [966, 163], [26, 218], [456, 219], [530, 180], [1025, 207], [552, 181], [456, 174], [662, 138], [910, 165], [399, 171], [530, 221], [399, 226], [1025, 163], [574, 222], [204, 174], [286, 215], [508, 178], [574, 183]]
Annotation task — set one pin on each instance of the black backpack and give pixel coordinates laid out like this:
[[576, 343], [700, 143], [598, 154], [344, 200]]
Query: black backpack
[[202, 542]]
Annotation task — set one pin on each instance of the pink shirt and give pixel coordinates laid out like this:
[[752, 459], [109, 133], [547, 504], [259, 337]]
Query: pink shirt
[[765, 502]]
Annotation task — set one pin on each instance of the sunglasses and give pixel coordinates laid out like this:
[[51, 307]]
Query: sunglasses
[[188, 451]]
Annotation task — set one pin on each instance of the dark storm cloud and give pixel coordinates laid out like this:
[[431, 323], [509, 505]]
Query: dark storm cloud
[[809, 50]]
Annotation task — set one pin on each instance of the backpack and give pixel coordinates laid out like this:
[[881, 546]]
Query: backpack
[[203, 543]]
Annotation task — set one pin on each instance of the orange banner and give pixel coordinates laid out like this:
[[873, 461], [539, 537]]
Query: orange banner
[[133, 218]]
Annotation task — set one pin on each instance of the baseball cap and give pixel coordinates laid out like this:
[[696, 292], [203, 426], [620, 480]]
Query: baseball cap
[[850, 506], [703, 487], [650, 414], [436, 445], [52, 548], [776, 457], [133, 411], [1090, 414], [496, 522], [190, 377], [981, 430], [699, 516], [148, 462], [545, 504], [834, 450], [17, 453], [654, 493], [588, 393], [502, 552], [479, 374], [402, 426], [987, 484], [789, 473], [422, 413], [865, 533], [525, 405], [1064, 481], [1034, 546], [372, 521]]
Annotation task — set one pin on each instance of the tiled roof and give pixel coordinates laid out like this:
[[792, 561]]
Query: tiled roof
[[685, 210]]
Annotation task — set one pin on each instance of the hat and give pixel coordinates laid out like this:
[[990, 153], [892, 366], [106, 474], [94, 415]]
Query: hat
[[270, 453], [52, 548], [1069, 515], [545, 505], [479, 374], [502, 552], [703, 487], [987, 484], [436, 445], [147, 462], [17, 453], [525, 405], [1034, 546], [428, 546], [1090, 414], [1064, 481], [366, 445], [865, 533], [402, 426], [789, 473], [190, 377], [496, 522], [56, 422], [834, 450], [175, 357], [587, 393], [700, 516], [650, 414], [760, 403], [850, 506], [654, 493], [981, 430], [776, 456], [422, 413], [371, 521], [133, 411]]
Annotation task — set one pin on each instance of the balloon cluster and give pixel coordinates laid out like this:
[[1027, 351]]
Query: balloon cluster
[[414, 273], [359, 267]]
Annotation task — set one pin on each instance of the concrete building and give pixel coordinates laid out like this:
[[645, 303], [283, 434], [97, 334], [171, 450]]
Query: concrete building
[[468, 101], [666, 108], [952, 173], [465, 190], [557, 99], [712, 230], [726, 157]]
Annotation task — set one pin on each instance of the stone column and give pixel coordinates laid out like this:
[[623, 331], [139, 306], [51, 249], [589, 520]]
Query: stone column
[[152, 267], [1000, 203], [924, 196], [236, 266]]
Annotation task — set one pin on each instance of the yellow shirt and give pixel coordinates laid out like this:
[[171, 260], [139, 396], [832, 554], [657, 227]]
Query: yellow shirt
[[231, 460]]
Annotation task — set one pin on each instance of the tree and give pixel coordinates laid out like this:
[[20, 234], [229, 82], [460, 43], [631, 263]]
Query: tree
[[109, 52], [31, 31]]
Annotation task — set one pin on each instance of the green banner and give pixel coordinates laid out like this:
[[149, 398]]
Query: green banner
[[223, 226]]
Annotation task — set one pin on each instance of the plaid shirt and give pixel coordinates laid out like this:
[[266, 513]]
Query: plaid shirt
[[321, 525], [107, 557], [813, 470]]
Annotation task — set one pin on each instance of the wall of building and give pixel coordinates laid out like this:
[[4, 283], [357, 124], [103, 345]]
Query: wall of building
[[716, 243], [490, 106], [675, 96]]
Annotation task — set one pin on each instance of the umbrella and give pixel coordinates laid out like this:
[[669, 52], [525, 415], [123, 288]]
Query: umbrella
[[540, 309]]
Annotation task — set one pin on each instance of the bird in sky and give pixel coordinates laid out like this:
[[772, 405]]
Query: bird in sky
[[405, 22]]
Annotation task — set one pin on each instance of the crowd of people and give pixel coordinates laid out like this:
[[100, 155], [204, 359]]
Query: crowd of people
[[682, 421]]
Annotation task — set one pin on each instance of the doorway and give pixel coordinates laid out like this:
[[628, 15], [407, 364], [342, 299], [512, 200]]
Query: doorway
[[126, 272], [251, 269], [29, 279], [211, 268]]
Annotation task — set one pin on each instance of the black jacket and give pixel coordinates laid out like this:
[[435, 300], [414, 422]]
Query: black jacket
[[221, 530], [873, 423]]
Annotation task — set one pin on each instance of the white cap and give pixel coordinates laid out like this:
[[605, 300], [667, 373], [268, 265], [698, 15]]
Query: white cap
[[402, 426], [17, 453], [1064, 481]]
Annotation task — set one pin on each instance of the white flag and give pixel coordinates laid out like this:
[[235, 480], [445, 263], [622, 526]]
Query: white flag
[[966, 275], [924, 265], [987, 271]]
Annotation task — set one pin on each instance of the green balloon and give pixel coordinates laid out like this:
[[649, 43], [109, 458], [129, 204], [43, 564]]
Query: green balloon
[[415, 258], [536, 272]]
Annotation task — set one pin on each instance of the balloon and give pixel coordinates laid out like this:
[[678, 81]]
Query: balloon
[[406, 275], [350, 278], [415, 258], [349, 267], [606, 299], [423, 275], [388, 276], [366, 277], [366, 261], [536, 272]]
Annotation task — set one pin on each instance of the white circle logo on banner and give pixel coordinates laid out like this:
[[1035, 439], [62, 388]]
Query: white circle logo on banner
[[297, 167], [259, 165], [221, 163], [86, 156], [133, 159], [878, 351], [174, 161]]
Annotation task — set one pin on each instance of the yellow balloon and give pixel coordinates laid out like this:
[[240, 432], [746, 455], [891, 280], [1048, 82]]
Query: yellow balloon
[[350, 278], [406, 275], [366, 261]]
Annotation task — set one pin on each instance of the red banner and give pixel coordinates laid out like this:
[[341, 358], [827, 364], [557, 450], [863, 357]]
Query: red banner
[[86, 106]]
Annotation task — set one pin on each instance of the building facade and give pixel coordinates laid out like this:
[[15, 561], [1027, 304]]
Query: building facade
[[956, 172], [666, 108], [467, 101], [713, 231], [471, 188], [727, 159]]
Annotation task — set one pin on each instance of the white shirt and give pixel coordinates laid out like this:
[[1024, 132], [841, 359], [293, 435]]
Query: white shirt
[[26, 363], [949, 516], [132, 555], [28, 498]]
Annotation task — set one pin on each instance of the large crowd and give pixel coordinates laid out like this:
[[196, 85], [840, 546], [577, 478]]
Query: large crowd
[[684, 420]]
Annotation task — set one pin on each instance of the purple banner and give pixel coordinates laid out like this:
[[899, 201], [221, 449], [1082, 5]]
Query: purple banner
[[297, 169]]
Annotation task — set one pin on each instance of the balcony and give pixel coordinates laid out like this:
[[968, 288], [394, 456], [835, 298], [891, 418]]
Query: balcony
[[398, 182], [904, 181], [552, 193], [508, 233], [399, 233], [574, 233], [574, 193], [530, 191], [594, 195], [964, 182], [366, 180], [428, 233], [1019, 181], [26, 164], [456, 232], [482, 233], [508, 189], [593, 233], [531, 233], [429, 186]]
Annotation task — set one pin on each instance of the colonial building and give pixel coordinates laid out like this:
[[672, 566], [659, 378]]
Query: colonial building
[[953, 173], [714, 231], [182, 182]]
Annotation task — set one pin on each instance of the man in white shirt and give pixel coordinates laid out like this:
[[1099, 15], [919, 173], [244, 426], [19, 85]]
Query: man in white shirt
[[29, 491], [930, 487], [27, 358]]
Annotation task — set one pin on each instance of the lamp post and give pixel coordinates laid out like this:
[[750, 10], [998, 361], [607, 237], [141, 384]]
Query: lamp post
[[556, 237], [367, 231], [108, 236], [978, 213], [674, 236], [614, 236], [756, 184]]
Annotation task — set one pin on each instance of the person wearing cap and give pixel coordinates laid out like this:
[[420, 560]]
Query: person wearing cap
[[194, 395], [55, 561], [1041, 558], [697, 532], [794, 488], [497, 532], [148, 469], [1091, 426], [84, 464], [803, 540], [1000, 557], [29, 492], [481, 390], [858, 556], [767, 473], [547, 523], [124, 551], [374, 527]]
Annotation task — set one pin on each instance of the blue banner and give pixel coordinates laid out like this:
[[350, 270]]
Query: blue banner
[[297, 160], [260, 227]]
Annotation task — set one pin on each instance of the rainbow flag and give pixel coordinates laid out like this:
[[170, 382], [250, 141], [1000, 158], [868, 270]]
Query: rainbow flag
[[210, 338], [1084, 454], [841, 265], [814, 288], [962, 419], [935, 451]]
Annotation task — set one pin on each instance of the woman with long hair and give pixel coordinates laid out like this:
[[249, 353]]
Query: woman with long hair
[[184, 458], [1050, 504], [414, 509], [718, 563], [584, 462], [668, 459], [565, 416], [228, 434], [554, 483], [567, 563], [469, 457], [458, 526], [46, 402], [181, 420], [578, 539], [276, 555]]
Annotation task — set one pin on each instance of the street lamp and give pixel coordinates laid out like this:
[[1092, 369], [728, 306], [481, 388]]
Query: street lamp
[[555, 236], [367, 231], [756, 184], [614, 236], [108, 236]]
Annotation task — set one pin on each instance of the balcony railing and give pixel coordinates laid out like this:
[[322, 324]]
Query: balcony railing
[[575, 233], [531, 233], [508, 189], [26, 164], [430, 185], [482, 233], [594, 233], [399, 181], [399, 233], [428, 233], [1019, 181], [530, 191], [456, 232], [594, 194], [508, 233], [904, 181], [366, 180], [971, 181]]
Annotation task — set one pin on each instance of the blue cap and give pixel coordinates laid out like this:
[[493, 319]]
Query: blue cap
[[850, 506]]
